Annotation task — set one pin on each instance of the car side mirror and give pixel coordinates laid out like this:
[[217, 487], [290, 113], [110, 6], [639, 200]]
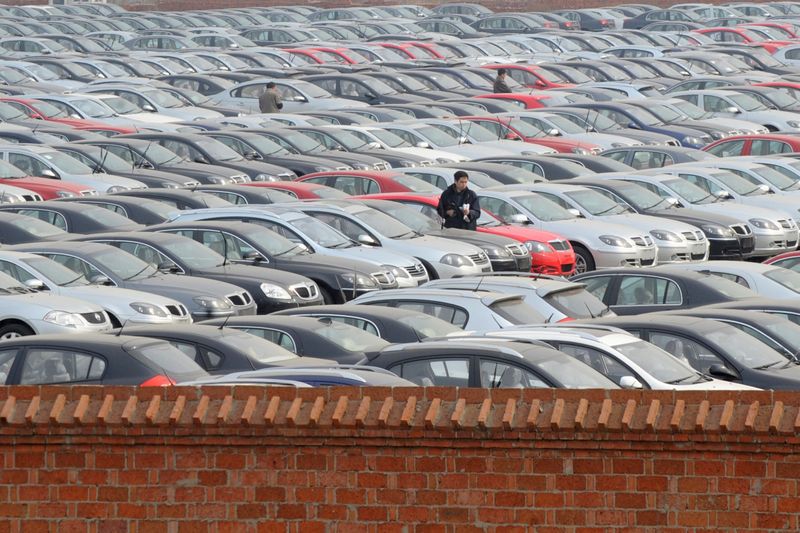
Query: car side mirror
[[765, 188], [673, 201], [630, 382], [50, 173], [367, 240], [733, 109], [722, 194], [423, 145], [553, 132], [574, 212], [201, 159], [253, 156], [149, 108], [168, 267], [463, 140], [518, 218], [375, 145], [253, 256], [101, 280], [633, 126], [299, 98], [36, 285], [369, 96], [722, 372]]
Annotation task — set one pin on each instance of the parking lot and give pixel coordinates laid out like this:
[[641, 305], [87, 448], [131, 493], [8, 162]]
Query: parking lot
[[261, 195]]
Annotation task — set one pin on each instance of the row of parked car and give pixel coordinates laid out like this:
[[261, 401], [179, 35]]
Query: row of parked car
[[147, 205]]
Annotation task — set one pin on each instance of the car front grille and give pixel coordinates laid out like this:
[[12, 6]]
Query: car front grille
[[240, 178], [177, 310], [382, 166], [567, 267], [382, 278], [694, 236], [785, 224], [90, 192], [673, 142], [416, 271], [642, 241], [559, 245], [242, 298], [94, 318], [742, 229], [306, 291], [479, 259], [426, 163], [517, 250], [343, 168], [31, 197]]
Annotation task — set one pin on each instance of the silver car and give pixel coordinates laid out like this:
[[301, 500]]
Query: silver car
[[597, 244], [26, 312], [677, 242], [316, 236], [297, 95], [123, 306], [731, 104], [153, 100]]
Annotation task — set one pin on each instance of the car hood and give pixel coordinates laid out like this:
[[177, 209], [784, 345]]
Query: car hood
[[253, 273], [769, 115], [472, 237], [744, 212], [430, 153], [38, 303], [590, 229], [182, 287], [103, 181], [695, 217], [647, 223], [714, 384], [209, 170], [102, 295], [332, 265], [377, 256]]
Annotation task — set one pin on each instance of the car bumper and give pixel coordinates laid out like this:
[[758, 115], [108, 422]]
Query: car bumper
[[626, 257], [42, 327], [682, 252], [731, 248], [447, 271], [507, 265], [560, 263], [774, 242]]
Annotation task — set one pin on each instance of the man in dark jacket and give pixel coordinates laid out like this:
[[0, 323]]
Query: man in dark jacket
[[270, 100], [500, 85], [458, 205]]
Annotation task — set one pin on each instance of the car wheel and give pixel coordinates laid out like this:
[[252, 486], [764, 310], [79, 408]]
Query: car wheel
[[14, 330], [584, 262]]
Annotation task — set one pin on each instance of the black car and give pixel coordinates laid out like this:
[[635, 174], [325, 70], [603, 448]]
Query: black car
[[271, 289], [193, 98], [179, 199], [261, 148], [339, 117], [389, 323], [244, 194], [338, 279], [94, 359], [13, 134], [152, 156], [222, 350], [536, 168], [206, 151], [140, 210], [713, 348], [591, 120], [205, 84], [20, 229], [487, 363], [514, 23], [784, 308], [629, 292], [724, 242], [444, 82], [101, 160], [659, 15], [327, 339], [504, 253], [73, 218], [646, 157], [405, 84], [362, 88], [64, 68]]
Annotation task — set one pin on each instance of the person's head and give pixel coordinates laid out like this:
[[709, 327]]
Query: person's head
[[461, 179], [271, 86], [501, 73]]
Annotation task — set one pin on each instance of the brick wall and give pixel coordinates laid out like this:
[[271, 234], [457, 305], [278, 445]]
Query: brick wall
[[406, 460]]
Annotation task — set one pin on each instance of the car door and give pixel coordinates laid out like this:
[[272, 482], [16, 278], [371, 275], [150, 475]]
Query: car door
[[498, 374], [638, 293], [444, 371], [689, 350]]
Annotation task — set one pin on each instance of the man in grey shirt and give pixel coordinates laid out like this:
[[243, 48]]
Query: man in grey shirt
[[270, 100]]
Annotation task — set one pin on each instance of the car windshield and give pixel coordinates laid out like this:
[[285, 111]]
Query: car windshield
[[414, 184], [743, 348], [35, 227], [747, 102], [192, 253], [389, 139], [662, 112], [302, 143], [255, 347], [689, 109], [271, 242], [217, 150], [596, 203], [790, 177], [321, 233], [93, 109], [427, 326], [437, 136], [55, 272], [785, 277], [642, 198], [577, 302], [162, 98], [264, 146], [120, 105], [775, 177], [780, 326], [517, 311], [310, 89], [571, 373], [124, 265], [542, 208], [384, 224], [739, 181], [410, 216], [350, 338], [564, 124], [655, 361], [106, 217], [158, 155], [689, 191], [41, 72], [346, 139], [49, 110], [65, 163], [587, 120], [164, 357]]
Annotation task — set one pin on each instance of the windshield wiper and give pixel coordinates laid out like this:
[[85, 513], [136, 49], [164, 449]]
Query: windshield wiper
[[604, 211], [72, 281], [142, 270], [680, 380], [285, 251], [768, 365]]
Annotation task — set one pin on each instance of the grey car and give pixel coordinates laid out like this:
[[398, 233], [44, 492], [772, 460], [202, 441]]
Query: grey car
[[105, 264], [123, 306]]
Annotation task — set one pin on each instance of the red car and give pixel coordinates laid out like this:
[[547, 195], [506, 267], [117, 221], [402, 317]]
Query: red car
[[301, 191], [531, 76], [790, 260], [550, 253], [742, 35], [528, 101], [37, 109], [785, 29], [508, 128], [413, 50], [358, 182], [761, 144], [47, 188]]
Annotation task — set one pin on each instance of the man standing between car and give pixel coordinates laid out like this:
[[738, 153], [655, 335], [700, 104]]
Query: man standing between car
[[458, 205], [500, 85], [270, 100]]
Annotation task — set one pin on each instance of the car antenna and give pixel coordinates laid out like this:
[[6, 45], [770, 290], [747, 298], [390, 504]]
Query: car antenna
[[550, 318], [119, 331], [478, 286], [589, 310], [224, 322]]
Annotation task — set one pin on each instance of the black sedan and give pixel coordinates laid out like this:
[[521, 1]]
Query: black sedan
[[362, 88], [20, 229], [73, 218], [206, 151], [646, 157], [537, 168], [480, 363], [243, 195], [660, 15], [784, 308], [271, 289], [327, 339], [176, 199], [152, 156], [632, 292], [140, 210], [222, 350], [389, 323], [723, 241], [94, 359], [719, 350], [339, 279]]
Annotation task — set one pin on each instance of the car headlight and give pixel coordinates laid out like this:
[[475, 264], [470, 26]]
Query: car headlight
[[218, 180], [663, 235], [359, 280], [397, 271], [361, 166], [619, 145], [793, 123], [148, 309], [322, 169], [496, 252], [581, 151], [65, 194], [64, 319], [613, 240], [9, 198], [538, 247], [444, 160], [716, 135], [277, 292], [692, 140], [170, 185], [117, 188], [763, 223], [455, 260], [718, 231], [266, 177], [210, 302]]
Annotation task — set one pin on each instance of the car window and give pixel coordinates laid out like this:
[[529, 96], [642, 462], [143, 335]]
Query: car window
[[16, 272], [79, 266], [148, 254], [51, 217], [435, 372], [728, 148], [500, 375], [359, 323], [274, 336], [6, 361], [603, 363], [448, 313], [732, 277], [597, 285], [688, 351], [42, 366], [647, 290]]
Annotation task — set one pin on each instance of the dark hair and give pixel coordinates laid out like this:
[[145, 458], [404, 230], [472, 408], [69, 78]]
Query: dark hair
[[501, 71], [460, 174], [270, 84]]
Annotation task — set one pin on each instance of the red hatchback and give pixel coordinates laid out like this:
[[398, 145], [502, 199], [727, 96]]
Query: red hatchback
[[47, 188], [550, 253], [755, 144], [358, 182], [301, 191]]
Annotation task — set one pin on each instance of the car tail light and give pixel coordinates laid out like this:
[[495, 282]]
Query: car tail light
[[569, 24], [604, 22], [157, 381], [550, 25], [566, 319]]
